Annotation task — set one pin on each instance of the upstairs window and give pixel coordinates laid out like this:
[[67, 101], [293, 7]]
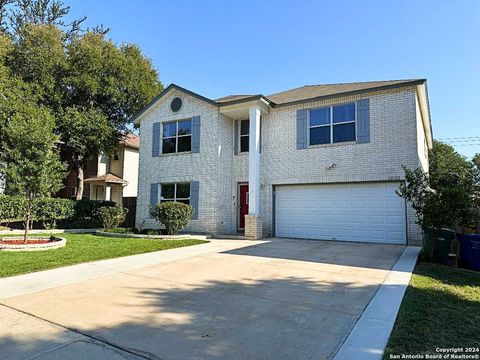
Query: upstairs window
[[178, 192], [177, 136], [332, 124], [244, 135]]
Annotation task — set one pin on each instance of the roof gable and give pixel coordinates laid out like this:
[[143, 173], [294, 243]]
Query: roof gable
[[137, 117], [299, 95]]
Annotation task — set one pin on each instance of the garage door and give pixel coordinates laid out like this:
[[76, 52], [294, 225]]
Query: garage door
[[368, 212]]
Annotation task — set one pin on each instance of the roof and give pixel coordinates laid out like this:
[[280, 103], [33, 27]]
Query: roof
[[131, 140], [294, 96], [309, 92], [107, 178], [232, 98]]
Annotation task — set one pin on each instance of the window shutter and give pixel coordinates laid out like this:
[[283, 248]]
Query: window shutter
[[154, 192], [156, 139], [236, 125], [194, 196], [196, 134], [363, 121], [302, 128]]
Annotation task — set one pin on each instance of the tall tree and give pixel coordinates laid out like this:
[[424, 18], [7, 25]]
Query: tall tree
[[16, 14], [105, 86], [91, 85]]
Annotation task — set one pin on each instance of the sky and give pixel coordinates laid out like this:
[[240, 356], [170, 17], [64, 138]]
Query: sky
[[218, 48]]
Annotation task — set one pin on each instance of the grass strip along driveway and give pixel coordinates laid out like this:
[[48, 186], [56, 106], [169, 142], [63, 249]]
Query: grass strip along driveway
[[441, 309], [82, 248]]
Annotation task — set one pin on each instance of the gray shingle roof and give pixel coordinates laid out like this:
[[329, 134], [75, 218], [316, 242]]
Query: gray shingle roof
[[314, 91], [231, 98], [297, 95]]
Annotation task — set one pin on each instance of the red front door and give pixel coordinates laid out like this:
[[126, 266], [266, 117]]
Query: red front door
[[243, 195]]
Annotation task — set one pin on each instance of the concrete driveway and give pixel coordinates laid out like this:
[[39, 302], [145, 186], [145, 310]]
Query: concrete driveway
[[230, 299]]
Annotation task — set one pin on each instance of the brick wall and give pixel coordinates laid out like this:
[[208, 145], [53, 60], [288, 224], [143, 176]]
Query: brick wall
[[393, 127]]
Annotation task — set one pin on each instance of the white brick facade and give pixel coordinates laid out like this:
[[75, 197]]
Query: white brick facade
[[395, 140]]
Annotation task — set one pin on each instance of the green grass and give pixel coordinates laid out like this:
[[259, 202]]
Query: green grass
[[82, 248], [441, 308]]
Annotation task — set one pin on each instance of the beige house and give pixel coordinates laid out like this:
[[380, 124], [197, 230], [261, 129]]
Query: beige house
[[314, 162], [116, 176]]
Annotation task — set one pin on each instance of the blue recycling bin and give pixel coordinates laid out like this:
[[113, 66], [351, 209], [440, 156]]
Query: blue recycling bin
[[469, 254]]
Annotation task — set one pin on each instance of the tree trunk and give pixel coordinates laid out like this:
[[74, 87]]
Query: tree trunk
[[27, 226], [78, 164], [79, 183], [28, 218]]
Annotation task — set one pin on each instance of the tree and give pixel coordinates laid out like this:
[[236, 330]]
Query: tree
[[33, 167], [445, 196], [92, 86], [476, 160], [16, 14], [106, 85]]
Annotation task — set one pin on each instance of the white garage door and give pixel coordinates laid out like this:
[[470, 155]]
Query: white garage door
[[368, 212]]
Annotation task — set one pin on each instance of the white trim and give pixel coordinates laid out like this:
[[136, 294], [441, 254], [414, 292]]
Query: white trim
[[175, 199], [254, 161], [331, 124], [176, 136]]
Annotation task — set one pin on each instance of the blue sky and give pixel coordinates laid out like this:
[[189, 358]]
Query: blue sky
[[218, 48]]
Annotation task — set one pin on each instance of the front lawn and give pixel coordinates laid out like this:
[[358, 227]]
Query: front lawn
[[441, 308], [82, 248]]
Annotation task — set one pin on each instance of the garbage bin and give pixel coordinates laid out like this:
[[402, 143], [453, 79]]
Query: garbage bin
[[470, 250], [443, 243]]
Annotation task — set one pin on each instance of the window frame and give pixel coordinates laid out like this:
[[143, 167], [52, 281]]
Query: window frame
[[175, 199], [244, 135], [176, 136], [331, 124]]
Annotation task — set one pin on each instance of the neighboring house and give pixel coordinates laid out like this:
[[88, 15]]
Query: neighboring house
[[109, 177], [315, 162], [116, 176]]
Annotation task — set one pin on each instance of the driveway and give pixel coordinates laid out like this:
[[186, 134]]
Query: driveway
[[281, 299]]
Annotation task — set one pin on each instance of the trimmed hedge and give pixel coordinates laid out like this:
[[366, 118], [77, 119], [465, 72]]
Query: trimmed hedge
[[48, 210]]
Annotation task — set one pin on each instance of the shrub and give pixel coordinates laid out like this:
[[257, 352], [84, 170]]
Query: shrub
[[87, 212], [112, 216], [120, 230], [49, 210], [173, 215]]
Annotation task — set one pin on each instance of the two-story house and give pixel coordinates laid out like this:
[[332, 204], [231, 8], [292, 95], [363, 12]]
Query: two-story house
[[115, 177], [108, 177], [315, 162]]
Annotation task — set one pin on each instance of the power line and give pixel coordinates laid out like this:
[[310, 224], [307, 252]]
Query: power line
[[460, 137]]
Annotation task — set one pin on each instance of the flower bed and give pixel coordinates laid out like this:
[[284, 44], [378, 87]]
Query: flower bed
[[32, 244]]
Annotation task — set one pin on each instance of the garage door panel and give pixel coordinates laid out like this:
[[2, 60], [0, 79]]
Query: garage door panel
[[370, 212]]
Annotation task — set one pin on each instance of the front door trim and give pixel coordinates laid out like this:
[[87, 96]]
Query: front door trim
[[239, 200]]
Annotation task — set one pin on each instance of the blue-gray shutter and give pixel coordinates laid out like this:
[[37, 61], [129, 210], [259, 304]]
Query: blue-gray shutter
[[154, 191], [194, 187], [156, 139], [302, 128], [196, 134], [236, 145], [363, 121]]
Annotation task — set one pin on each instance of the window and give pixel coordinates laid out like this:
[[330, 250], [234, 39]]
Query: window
[[244, 135], [179, 192], [332, 124], [115, 155], [177, 137]]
